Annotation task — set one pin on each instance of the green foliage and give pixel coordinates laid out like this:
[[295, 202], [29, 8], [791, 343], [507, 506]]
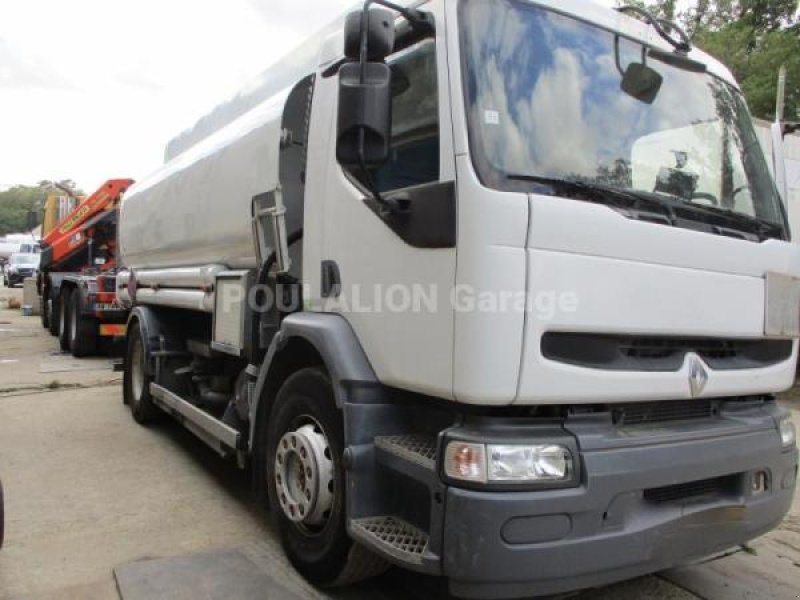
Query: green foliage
[[18, 201], [752, 37], [15, 204]]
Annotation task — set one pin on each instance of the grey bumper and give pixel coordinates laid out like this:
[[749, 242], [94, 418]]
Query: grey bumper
[[523, 544]]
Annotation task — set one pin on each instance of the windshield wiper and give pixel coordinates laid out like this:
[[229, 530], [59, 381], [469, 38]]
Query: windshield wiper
[[666, 205], [598, 192], [751, 224]]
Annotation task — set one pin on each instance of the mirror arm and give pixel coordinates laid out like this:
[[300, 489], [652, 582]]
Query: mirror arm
[[419, 20], [395, 205], [662, 27], [387, 205]]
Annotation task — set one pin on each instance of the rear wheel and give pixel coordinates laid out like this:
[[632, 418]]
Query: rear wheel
[[136, 381], [82, 328], [43, 309], [2, 516], [306, 484], [52, 309], [63, 318]]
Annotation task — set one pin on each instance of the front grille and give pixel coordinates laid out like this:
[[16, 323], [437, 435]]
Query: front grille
[[664, 347], [661, 353], [645, 413], [695, 490]]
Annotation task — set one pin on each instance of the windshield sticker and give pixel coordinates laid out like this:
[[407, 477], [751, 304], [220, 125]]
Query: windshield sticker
[[491, 117]]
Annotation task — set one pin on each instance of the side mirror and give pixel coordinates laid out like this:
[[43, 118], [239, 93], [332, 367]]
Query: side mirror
[[365, 90], [642, 82], [365, 119]]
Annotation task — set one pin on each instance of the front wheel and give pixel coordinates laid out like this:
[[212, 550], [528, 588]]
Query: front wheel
[[136, 381], [306, 483]]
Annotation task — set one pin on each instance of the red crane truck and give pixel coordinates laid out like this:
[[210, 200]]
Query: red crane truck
[[78, 272]]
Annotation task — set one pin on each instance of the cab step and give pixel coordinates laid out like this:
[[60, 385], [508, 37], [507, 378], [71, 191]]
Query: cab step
[[393, 538], [413, 455], [419, 449]]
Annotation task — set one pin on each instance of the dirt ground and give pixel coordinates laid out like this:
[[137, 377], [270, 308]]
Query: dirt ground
[[87, 490]]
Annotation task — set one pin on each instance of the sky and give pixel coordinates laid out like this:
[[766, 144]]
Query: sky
[[93, 89]]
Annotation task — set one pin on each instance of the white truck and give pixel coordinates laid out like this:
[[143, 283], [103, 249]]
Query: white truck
[[496, 290]]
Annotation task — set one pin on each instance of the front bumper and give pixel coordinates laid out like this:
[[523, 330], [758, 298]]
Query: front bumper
[[529, 543], [17, 278]]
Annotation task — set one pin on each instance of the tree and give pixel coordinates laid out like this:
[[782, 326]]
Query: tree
[[752, 37], [15, 204], [18, 201]]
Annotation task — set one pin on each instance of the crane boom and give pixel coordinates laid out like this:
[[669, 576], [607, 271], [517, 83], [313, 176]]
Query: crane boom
[[69, 237]]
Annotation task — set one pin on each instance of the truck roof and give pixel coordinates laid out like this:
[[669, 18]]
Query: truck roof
[[324, 47]]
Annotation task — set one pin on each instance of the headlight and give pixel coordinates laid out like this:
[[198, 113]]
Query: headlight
[[529, 463], [507, 463], [788, 432]]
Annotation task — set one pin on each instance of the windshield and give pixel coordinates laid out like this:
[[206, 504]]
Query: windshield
[[545, 101], [25, 259]]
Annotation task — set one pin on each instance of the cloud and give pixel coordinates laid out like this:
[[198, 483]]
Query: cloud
[[20, 70], [313, 15], [93, 89]]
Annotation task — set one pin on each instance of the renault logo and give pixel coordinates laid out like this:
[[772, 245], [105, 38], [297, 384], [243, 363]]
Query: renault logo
[[698, 377]]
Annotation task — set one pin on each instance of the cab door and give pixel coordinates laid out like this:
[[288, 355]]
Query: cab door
[[391, 273]]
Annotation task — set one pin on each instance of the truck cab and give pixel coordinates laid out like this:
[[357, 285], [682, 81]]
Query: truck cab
[[498, 290]]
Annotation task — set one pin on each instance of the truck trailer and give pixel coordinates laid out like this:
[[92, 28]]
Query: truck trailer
[[495, 290], [77, 275]]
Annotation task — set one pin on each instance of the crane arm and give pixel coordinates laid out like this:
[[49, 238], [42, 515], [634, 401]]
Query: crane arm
[[68, 236]]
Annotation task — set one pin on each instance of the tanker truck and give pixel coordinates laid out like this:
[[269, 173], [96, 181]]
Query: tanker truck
[[495, 290]]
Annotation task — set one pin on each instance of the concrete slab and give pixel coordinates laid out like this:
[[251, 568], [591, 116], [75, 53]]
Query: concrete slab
[[66, 363], [87, 489], [30, 358], [218, 574], [759, 574]]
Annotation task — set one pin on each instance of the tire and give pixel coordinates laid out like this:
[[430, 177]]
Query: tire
[[43, 307], [82, 328], [136, 381], [315, 540], [64, 302], [52, 308], [2, 516]]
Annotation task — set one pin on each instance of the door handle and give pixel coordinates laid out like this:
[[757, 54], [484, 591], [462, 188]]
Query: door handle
[[331, 279]]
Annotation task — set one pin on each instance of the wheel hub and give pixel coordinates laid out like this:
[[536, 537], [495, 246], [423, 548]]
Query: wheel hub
[[304, 475]]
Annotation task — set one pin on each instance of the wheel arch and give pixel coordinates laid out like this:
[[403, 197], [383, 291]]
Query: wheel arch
[[310, 340], [152, 327]]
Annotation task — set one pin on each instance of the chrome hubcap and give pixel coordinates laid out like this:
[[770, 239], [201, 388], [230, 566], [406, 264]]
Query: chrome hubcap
[[304, 475]]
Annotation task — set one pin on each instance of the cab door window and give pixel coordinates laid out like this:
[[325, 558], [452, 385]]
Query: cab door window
[[414, 157]]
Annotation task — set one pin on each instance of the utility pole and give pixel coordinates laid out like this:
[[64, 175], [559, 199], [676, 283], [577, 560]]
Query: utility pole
[[780, 102]]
